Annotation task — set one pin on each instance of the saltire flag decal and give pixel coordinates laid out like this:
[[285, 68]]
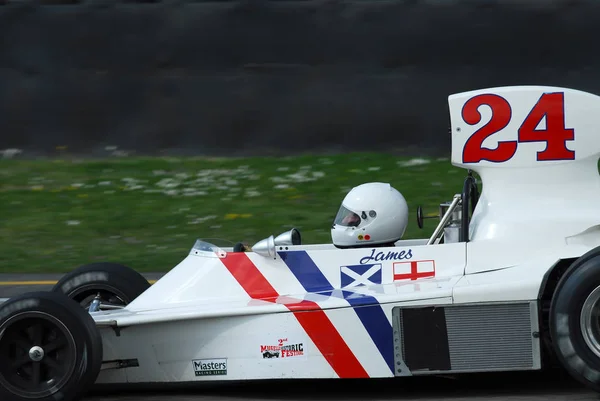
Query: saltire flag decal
[[316, 323], [372, 316], [360, 275]]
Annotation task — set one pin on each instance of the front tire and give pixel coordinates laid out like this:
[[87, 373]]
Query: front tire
[[50, 348], [575, 320], [117, 285]]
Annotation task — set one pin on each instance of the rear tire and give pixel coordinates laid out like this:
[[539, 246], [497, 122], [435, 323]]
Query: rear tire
[[575, 320], [117, 284], [50, 348]]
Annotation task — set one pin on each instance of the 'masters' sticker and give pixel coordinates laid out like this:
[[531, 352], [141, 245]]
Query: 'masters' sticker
[[210, 367]]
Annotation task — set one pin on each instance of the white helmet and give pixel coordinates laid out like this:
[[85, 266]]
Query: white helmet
[[372, 213]]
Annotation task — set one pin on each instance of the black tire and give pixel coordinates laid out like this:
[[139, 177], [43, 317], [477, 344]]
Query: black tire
[[71, 367], [116, 283], [580, 360]]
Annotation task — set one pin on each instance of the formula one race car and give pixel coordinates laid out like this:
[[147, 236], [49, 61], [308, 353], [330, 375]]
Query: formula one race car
[[509, 280]]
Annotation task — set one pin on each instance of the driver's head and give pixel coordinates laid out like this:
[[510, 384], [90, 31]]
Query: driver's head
[[370, 214]]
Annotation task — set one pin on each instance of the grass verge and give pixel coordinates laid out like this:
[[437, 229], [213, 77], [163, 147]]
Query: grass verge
[[147, 212]]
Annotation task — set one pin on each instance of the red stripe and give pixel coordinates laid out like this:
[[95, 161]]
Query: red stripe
[[310, 316], [244, 271], [331, 344]]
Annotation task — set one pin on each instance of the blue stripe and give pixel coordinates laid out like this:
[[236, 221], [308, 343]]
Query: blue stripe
[[305, 270], [379, 328], [367, 308]]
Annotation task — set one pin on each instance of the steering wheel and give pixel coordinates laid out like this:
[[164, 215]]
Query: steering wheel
[[470, 194]]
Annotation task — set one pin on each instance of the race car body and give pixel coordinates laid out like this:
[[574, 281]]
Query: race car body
[[506, 279]]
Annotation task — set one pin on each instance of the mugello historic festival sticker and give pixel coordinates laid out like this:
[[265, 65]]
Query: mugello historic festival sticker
[[210, 367], [282, 349]]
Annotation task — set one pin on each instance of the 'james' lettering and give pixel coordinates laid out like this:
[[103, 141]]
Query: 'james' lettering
[[390, 255]]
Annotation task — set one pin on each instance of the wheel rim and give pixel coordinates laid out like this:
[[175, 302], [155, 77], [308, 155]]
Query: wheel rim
[[37, 354], [590, 321]]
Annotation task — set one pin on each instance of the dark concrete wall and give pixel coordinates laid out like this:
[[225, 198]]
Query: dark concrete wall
[[277, 76]]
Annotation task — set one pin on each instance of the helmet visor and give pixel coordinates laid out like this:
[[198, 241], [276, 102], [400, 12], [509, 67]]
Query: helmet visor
[[346, 218]]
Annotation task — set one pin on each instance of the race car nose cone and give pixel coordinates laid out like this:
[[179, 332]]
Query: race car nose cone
[[36, 354]]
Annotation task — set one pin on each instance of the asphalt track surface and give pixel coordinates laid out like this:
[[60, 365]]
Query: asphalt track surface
[[525, 386]]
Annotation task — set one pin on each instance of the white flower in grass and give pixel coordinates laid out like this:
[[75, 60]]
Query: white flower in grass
[[297, 177], [134, 187], [202, 219], [252, 193], [231, 182], [77, 185], [374, 168], [283, 168], [104, 183], [73, 222], [196, 193], [318, 174], [10, 153], [171, 192], [281, 186], [413, 162], [167, 183]]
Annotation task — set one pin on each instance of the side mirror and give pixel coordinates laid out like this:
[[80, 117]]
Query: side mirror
[[265, 247], [291, 237]]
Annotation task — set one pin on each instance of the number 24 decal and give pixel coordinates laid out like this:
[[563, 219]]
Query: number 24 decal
[[555, 135]]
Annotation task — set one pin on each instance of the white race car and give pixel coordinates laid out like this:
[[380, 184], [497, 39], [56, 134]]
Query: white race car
[[508, 281]]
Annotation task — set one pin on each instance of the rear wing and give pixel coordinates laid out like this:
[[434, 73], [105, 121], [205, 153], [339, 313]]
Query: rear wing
[[523, 126], [536, 149]]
